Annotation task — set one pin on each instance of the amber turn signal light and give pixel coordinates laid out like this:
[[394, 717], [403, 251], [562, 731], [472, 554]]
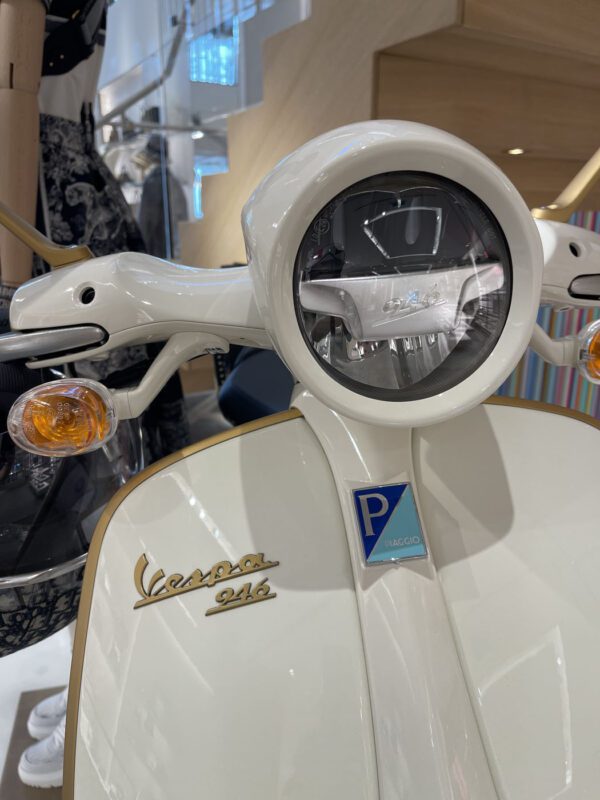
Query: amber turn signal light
[[63, 418], [589, 352]]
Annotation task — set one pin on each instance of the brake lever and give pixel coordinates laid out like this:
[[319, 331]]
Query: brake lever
[[17, 346]]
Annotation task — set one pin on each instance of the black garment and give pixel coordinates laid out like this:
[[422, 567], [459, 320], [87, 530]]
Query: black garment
[[6, 293], [84, 202], [73, 29], [159, 229]]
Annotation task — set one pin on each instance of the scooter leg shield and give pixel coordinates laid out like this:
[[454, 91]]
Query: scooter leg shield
[[509, 496], [218, 648]]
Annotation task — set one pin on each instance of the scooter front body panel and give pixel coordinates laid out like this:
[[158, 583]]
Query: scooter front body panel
[[253, 699], [510, 504], [468, 673]]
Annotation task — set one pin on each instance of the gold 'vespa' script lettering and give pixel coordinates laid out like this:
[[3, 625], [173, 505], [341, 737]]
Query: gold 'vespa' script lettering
[[161, 587]]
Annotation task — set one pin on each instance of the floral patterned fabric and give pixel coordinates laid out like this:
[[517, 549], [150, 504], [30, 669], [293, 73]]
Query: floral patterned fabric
[[84, 201], [31, 613]]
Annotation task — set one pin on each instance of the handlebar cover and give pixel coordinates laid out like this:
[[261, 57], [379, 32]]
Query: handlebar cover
[[137, 299]]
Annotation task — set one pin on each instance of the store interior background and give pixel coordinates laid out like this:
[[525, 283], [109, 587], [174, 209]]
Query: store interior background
[[241, 83], [254, 79]]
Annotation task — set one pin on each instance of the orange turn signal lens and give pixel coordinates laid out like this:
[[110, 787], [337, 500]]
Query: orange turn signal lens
[[63, 418], [589, 352]]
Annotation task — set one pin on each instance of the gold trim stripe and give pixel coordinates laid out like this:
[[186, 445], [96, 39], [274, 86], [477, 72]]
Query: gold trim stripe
[[548, 408], [85, 603]]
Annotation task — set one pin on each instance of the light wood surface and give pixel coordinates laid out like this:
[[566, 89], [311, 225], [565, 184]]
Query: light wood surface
[[317, 75], [499, 92], [198, 375], [570, 25], [19, 157], [21, 30], [491, 108], [540, 180], [515, 73], [21, 44], [486, 49]]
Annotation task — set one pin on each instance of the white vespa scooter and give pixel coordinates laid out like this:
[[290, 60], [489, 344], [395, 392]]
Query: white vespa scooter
[[422, 568]]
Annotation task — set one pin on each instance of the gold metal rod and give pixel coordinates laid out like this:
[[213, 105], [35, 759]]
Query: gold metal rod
[[56, 255], [572, 196]]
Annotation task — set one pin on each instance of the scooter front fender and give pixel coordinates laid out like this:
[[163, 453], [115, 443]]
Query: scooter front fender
[[228, 626], [218, 647]]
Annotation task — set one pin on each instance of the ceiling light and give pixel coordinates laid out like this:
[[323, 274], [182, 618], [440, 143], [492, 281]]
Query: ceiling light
[[197, 134], [515, 151]]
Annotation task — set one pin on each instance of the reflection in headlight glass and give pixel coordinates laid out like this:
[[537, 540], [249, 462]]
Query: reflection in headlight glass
[[402, 285]]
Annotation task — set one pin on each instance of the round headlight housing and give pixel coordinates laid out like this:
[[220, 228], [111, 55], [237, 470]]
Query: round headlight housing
[[402, 285]]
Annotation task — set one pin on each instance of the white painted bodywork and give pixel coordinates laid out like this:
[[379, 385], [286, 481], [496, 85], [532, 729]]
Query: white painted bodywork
[[569, 251], [285, 203], [426, 736], [467, 674], [509, 498], [141, 299], [266, 701]]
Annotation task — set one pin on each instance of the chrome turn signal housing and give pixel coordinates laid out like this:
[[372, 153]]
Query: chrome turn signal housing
[[63, 418], [588, 361]]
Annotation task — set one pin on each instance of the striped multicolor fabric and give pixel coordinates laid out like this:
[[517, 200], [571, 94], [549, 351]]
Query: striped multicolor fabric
[[536, 380]]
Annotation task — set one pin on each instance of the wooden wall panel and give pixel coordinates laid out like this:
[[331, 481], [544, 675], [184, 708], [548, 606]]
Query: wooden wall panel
[[571, 25], [482, 49], [498, 73], [541, 180], [492, 109], [318, 75]]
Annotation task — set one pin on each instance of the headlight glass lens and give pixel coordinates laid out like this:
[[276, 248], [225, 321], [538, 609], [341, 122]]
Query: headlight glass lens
[[402, 285]]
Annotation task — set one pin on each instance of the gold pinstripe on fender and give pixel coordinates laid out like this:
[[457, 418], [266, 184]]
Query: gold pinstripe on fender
[[548, 408]]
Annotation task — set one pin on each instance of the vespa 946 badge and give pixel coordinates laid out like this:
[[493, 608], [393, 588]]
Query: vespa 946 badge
[[160, 587]]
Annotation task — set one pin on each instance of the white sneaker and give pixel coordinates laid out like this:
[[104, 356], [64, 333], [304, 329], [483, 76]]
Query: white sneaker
[[41, 765], [47, 714]]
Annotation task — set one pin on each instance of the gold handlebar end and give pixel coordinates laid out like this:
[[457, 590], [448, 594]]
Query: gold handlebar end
[[56, 255]]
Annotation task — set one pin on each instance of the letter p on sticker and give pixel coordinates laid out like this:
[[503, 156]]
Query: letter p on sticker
[[372, 506]]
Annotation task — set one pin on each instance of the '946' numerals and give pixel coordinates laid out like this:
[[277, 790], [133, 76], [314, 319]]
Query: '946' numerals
[[228, 598]]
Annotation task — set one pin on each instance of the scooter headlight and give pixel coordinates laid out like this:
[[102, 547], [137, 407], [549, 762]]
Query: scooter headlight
[[403, 285]]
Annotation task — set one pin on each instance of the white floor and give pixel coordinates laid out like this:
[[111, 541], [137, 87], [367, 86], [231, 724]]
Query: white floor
[[40, 666]]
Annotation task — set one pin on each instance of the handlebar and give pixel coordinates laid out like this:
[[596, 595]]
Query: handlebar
[[129, 299]]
